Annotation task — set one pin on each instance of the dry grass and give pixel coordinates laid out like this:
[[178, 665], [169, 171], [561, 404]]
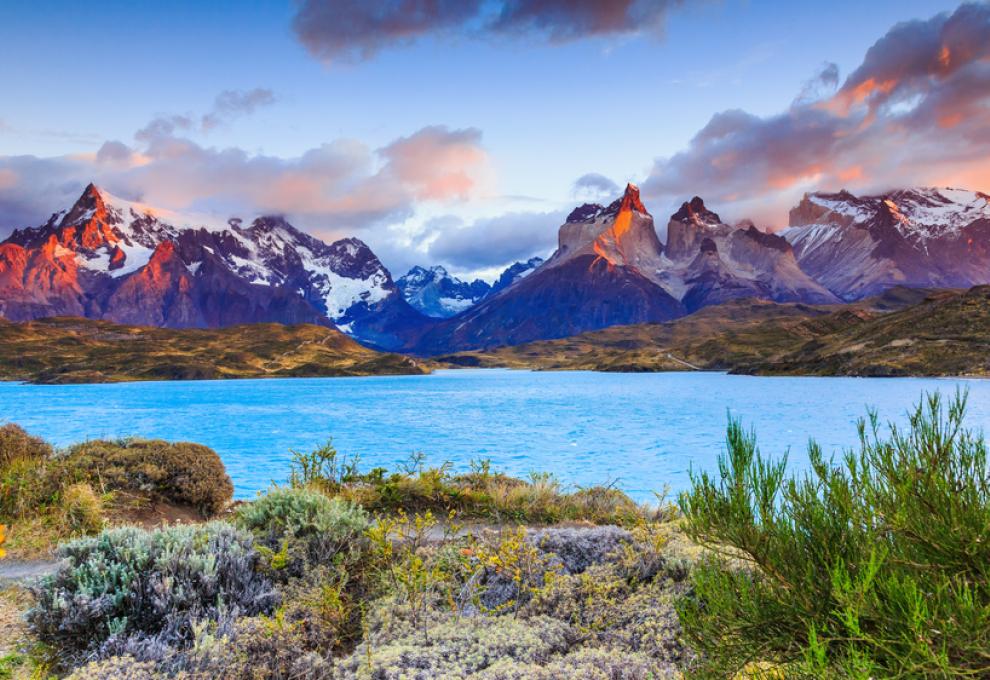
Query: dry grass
[[71, 350]]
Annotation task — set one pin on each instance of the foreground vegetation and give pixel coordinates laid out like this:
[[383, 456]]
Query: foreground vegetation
[[72, 350], [903, 332], [874, 565], [877, 566]]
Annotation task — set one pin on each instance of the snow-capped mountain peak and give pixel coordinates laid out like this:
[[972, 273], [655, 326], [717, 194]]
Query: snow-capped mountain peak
[[861, 245], [436, 293], [277, 271], [922, 213], [592, 212]]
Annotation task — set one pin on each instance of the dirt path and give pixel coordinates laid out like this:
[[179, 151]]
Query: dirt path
[[21, 572], [684, 363]]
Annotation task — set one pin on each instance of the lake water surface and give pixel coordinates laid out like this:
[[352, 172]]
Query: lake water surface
[[642, 430]]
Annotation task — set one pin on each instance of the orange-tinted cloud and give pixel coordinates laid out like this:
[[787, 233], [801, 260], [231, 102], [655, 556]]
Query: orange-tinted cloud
[[915, 112], [337, 187], [438, 164]]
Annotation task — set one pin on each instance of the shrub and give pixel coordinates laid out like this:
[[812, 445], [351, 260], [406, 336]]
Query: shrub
[[116, 668], [129, 591], [15, 444], [875, 567], [305, 526], [24, 481], [584, 664], [27, 486], [417, 488], [520, 563], [457, 649], [256, 647], [180, 473], [82, 509], [577, 548]]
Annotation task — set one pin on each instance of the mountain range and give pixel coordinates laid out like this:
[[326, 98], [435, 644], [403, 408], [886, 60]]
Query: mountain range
[[122, 261], [107, 258], [438, 294]]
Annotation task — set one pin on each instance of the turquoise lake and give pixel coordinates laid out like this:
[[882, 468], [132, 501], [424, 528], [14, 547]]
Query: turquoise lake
[[642, 431]]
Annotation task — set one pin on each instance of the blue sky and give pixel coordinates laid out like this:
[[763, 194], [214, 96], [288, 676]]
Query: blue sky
[[78, 75]]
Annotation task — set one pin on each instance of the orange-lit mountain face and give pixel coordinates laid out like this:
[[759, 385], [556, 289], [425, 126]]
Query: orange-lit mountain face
[[621, 235], [107, 258], [610, 268], [605, 272]]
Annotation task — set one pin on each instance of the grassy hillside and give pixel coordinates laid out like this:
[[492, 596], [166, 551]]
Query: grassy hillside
[[69, 350], [903, 332], [946, 334]]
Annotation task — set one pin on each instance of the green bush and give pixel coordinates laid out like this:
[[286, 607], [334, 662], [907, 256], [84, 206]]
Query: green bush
[[180, 473], [25, 484], [15, 444], [303, 527], [27, 487], [132, 592], [875, 567]]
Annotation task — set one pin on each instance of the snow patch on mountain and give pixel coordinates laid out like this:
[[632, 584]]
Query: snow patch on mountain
[[436, 293], [922, 213]]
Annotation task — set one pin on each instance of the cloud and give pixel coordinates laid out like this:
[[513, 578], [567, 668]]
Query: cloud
[[563, 20], [493, 242], [436, 163], [595, 187], [915, 54], [916, 111], [352, 30], [823, 84], [230, 104], [227, 106], [340, 187]]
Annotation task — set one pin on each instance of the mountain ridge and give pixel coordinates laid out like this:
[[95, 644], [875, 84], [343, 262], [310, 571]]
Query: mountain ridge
[[105, 258]]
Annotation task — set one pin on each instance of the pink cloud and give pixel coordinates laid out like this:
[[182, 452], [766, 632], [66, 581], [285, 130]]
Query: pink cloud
[[340, 186], [916, 111], [438, 164]]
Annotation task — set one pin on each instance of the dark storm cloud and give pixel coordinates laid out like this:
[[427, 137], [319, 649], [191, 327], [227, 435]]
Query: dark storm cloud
[[356, 29]]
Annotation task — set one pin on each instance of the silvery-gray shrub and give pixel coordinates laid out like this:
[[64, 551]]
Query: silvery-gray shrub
[[142, 593]]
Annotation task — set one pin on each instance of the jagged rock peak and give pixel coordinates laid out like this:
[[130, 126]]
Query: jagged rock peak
[[586, 212], [91, 202], [589, 212], [631, 201], [695, 211]]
